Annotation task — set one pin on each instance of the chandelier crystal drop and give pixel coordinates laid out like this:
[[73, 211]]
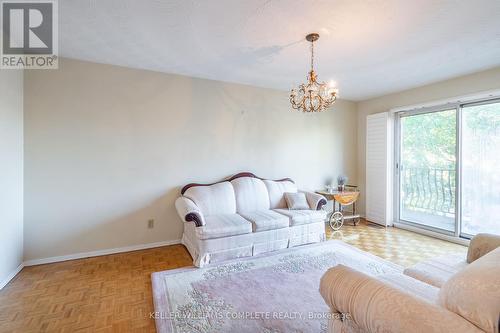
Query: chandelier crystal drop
[[313, 96]]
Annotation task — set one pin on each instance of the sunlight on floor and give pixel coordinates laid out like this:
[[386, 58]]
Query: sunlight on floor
[[402, 247]]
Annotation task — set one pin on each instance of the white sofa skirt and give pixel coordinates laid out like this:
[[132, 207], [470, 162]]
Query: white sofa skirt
[[307, 233], [206, 251]]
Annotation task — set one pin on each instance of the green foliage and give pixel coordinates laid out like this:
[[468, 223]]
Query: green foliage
[[429, 140], [482, 119]]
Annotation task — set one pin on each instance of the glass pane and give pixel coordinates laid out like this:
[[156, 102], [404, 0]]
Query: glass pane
[[481, 169], [427, 173]]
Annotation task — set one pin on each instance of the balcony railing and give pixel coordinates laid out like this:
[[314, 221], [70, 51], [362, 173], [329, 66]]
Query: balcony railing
[[429, 190]]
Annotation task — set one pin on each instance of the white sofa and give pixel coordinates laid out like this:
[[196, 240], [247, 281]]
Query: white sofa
[[447, 294], [245, 215]]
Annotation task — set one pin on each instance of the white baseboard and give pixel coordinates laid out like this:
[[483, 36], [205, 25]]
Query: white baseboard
[[99, 252], [85, 255], [11, 276]]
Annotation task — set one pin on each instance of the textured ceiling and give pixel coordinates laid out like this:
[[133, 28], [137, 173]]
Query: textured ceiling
[[369, 47]]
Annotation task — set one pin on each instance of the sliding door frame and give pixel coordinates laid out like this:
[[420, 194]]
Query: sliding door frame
[[457, 235], [458, 174], [461, 107], [397, 167]]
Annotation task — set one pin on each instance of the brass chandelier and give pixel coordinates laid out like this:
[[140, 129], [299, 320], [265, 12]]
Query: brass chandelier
[[314, 96]]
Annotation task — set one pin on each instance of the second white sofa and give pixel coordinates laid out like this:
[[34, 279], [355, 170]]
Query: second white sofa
[[244, 216], [448, 294]]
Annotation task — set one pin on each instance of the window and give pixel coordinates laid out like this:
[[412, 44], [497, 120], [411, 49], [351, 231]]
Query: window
[[480, 169], [427, 167], [448, 168]]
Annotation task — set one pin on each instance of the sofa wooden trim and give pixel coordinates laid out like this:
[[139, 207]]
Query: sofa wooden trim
[[238, 175]]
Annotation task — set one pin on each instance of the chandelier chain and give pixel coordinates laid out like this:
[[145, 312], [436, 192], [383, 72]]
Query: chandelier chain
[[312, 55]]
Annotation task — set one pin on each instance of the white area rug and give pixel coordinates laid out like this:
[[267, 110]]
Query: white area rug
[[275, 292]]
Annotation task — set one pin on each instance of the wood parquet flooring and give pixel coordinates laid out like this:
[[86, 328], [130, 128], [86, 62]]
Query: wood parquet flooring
[[402, 247], [113, 293], [102, 294]]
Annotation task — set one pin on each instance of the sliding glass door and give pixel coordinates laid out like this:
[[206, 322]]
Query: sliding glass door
[[427, 169], [480, 200], [448, 168]]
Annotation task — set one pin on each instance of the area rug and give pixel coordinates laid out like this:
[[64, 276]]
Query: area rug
[[271, 293]]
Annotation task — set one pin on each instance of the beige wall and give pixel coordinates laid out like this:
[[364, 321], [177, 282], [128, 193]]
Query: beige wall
[[11, 172], [107, 148], [478, 82]]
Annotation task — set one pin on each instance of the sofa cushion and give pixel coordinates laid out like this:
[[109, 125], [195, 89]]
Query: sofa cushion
[[223, 225], [438, 270], [296, 200], [474, 292], [266, 220], [251, 194], [412, 286], [306, 216], [276, 189], [213, 199]]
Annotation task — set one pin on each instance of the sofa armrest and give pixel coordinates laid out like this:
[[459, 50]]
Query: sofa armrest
[[374, 306], [316, 201], [189, 212], [482, 244]]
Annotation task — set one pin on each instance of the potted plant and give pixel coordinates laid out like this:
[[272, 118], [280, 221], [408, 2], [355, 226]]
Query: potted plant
[[341, 182]]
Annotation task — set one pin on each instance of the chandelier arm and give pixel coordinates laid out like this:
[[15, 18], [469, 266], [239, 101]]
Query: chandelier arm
[[299, 104], [320, 103], [321, 100], [311, 106]]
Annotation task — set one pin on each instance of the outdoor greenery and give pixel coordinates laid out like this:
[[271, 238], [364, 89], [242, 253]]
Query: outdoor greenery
[[483, 120], [428, 162], [480, 168], [429, 140]]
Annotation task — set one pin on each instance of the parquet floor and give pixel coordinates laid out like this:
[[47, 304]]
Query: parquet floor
[[113, 293], [402, 247]]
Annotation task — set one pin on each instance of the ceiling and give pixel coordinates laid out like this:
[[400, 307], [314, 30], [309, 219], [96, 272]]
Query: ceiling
[[369, 47]]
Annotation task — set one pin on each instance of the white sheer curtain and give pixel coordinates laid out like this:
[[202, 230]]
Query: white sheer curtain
[[481, 168]]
